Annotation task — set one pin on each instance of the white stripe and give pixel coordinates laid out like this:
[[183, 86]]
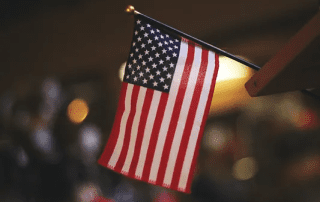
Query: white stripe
[[134, 130], [197, 122], [147, 132], [117, 150], [168, 111], [183, 115]]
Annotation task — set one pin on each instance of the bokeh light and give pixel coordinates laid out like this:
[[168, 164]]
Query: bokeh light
[[77, 110], [90, 142], [245, 168], [87, 192]]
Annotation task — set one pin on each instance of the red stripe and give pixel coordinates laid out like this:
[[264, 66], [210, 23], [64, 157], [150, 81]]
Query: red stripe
[[205, 116], [154, 136], [141, 128], [175, 114], [106, 155], [124, 150], [190, 120]]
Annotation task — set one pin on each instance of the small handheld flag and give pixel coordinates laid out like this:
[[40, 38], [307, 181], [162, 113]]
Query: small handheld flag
[[164, 103]]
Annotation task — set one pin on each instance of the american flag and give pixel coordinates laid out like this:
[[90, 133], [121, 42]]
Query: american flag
[[164, 102]]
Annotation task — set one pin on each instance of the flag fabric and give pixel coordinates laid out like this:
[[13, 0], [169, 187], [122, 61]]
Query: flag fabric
[[163, 106]]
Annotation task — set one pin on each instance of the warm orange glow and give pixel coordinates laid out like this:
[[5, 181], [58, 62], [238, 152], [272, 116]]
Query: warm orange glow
[[77, 110], [229, 91]]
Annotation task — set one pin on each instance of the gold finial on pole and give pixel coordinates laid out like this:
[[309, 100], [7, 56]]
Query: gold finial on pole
[[130, 10]]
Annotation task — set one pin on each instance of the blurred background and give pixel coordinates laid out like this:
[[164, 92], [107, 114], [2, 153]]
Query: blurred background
[[60, 76]]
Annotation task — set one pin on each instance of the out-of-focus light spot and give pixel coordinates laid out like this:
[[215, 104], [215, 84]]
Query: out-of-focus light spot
[[245, 168], [87, 192], [307, 120], [51, 89], [90, 138], [306, 168], [77, 110], [22, 157], [44, 141], [51, 92], [164, 196], [121, 71], [216, 137], [230, 69]]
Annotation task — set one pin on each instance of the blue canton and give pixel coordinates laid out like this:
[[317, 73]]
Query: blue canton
[[153, 57]]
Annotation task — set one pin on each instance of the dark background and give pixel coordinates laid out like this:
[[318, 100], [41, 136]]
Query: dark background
[[52, 52]]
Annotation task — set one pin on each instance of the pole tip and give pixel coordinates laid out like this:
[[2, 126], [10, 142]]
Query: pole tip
[[130, 9]]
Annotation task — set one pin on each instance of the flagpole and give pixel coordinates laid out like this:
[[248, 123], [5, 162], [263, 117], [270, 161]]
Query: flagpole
[[131, 10]]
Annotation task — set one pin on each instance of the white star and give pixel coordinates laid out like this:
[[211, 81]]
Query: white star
[[161, 62], [170, 41], [137, 49], [141, 74], [165, 86], [143, 45], [138, 21], [148, 25], [151, 76], [167, 58], [160, 44], [133, 72], [157, 55], [127, 76], [165, 42], [149, 41], [164, 51], [174, 54], [131, 55], [142, 28], [154, 65], [165, 68], [171, 64], [156, 38], [168, 76], [176, 40], [140, 56], [143, 62], [129, 65], [135, 78], [138, 67], [170, 49], [161, 79], [145, 34], [167, 35], [146, 52], [161, 36], [176, 47], [158, 72], [153, 48], [147, 70], [155, 84], [158, 30], [152, 31], [136, 32], [139, 38], [144, 80], [150, 59], [134, 43], [134, 61]]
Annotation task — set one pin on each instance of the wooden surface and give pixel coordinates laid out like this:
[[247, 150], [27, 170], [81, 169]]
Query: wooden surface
[[295, 67]]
